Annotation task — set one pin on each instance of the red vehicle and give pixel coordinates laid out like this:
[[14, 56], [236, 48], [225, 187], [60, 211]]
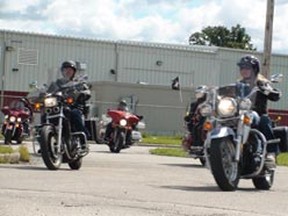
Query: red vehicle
[[122, 125], [16, 121]]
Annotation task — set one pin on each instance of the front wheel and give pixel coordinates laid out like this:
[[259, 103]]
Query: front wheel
[[50, 151], [223, 165], [8, 137], [117, 144]]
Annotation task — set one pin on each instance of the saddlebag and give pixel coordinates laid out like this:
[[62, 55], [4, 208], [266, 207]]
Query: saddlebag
[[282, 133]]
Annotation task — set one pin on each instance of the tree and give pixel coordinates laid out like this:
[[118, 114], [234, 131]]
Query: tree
[[222, 37]]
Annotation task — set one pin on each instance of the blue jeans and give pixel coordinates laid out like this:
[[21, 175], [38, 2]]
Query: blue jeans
[[265, 126], [77, 122]]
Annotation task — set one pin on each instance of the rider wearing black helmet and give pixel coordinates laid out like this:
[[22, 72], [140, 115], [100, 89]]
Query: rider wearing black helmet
[[194, 119], [68, 71], [249, 67]]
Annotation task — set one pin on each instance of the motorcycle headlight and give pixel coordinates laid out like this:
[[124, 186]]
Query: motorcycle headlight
[[12, 118], [227, 107], [19, 119], [205, 110], [50, 102], [123, 122], [245, 104]]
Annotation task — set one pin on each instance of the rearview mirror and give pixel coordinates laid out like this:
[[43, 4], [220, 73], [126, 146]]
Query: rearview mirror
[[276, 78]]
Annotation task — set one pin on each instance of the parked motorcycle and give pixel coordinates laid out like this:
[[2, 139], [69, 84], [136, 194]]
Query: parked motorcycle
[[16, 121], [59, 141], [234, 148], [123, 124]]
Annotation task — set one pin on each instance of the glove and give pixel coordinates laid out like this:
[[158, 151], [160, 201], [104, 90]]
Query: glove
[[264, 87]]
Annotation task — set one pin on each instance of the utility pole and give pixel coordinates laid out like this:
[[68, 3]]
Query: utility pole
[[268, 38]]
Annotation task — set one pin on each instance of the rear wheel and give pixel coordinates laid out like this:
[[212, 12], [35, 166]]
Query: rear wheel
[[50, 152], [223, 165], [264, 182], [76, 164]]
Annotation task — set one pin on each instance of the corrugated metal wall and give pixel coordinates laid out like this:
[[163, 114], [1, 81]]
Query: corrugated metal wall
[[26, 57]]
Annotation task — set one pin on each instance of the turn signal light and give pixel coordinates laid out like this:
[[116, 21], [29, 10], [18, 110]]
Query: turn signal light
[[246, 120], [208, 126], [37, 106], [69, 100]]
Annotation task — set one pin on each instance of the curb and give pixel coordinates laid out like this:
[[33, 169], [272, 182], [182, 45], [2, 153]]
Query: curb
[[11, 158]]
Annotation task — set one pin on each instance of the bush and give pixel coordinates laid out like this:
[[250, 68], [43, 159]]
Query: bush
[[24, 153]]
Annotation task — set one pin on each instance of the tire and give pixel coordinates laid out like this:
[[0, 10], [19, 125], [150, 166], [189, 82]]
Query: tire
[[224, 168], [118, 144], [76, 164], [264, 183], [20, 139], [51, 156], [282, 133], [8, 137], [202, 161]]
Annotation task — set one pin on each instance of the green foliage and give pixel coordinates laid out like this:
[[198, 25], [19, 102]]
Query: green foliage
[[10, 155], [175, 152], [223, 37], [24, 153], [282, 159], [6, 149]]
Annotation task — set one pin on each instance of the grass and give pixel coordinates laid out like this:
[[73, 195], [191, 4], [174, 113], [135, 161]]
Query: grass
[[175, 152], [162, 140]]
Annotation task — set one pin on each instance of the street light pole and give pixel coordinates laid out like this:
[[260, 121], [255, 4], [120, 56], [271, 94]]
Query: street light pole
[[268, 38]]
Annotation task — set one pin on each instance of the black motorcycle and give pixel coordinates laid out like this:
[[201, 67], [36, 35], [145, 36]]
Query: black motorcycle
[[59, 141]]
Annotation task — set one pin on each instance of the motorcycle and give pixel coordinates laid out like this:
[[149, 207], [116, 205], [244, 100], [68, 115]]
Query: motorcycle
[[234, 148], [123, 124], [59, 141], [16, 122], [195, 152]]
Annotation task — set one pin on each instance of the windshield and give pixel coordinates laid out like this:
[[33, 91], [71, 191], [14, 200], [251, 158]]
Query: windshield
[[54, 82], [234, 90], [17, 104]]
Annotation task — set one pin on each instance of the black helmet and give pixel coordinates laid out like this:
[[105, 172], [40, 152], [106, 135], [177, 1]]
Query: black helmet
[[67, 64], [123, 103], [250, 61]]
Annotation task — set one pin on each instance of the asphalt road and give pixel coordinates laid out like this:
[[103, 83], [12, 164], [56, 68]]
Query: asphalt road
[[133, 182]]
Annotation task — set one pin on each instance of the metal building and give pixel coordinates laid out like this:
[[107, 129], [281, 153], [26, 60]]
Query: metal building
[[26, 57]]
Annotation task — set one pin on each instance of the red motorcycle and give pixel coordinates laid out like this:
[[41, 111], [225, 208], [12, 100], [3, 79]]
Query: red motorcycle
[[16, 121], [121, 126]]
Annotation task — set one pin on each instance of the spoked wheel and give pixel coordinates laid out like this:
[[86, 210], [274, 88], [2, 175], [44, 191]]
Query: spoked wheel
[[116, 146], [223, 165], [264, 182], [50, 152]]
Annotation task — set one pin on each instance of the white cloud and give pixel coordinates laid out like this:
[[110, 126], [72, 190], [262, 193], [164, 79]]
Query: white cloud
[[165, 21]]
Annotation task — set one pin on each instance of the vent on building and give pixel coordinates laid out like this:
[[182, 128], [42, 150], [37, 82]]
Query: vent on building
[[28, 56]]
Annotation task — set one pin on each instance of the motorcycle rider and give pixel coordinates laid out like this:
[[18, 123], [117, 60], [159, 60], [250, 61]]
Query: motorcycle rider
[[122, 106], [68, 71], [249, 67], [194, 119]]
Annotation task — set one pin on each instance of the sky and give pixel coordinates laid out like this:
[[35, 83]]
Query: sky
[[160, 21]]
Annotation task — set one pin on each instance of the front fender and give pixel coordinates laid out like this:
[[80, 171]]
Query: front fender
[[221, 132]]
